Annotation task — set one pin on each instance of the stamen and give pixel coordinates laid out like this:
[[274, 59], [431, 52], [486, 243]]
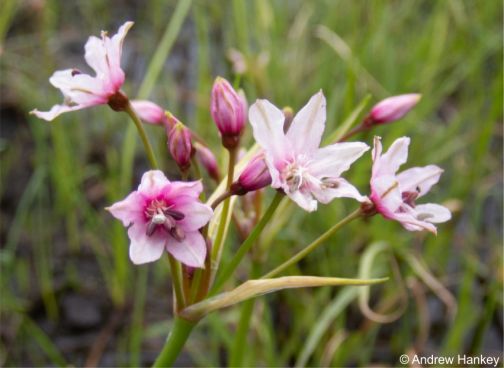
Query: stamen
[[177, 233], [387, 192], [175, 214]]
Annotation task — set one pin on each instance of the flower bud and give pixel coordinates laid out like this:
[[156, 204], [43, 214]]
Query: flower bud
[[228, 109], [254, 177], [207, 159], [180, 145], [392, 108], [152, 113]]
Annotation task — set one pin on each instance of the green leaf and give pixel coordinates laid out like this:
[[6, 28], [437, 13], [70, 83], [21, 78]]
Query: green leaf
[[254, 288]]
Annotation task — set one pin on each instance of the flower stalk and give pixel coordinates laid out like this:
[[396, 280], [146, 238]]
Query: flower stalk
[[314, 245], [143, 136]]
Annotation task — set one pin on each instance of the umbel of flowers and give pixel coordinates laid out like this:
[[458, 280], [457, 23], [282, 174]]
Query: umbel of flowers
[[164, 216]]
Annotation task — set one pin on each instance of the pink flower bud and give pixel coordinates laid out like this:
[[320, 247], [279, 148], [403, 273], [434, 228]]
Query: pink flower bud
[[228, 109], [180, 145], [207, 159], [254, 177], [149, 112], [393, 108]]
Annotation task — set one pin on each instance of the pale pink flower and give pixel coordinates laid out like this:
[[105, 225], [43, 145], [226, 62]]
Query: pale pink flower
[[394, 195], [164, 215], [297, 165], [81, 90], [151, 113], [393, 108]]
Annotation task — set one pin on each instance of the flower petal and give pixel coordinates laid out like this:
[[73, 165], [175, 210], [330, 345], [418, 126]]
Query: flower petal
[[304, 200], [419, 179], [153, 182], [96, 57], [186, 188], [305, 132], [196, 214], [267, 126], [332, 160], [55, 111], [344, 189], [386, 195], [410, 223], [129, 210], [389, 163], [143, 248], [432, 212], [191, 251]]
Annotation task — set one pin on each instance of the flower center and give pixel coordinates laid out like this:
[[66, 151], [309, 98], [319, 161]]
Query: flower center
[[160, 215], [296, 173]]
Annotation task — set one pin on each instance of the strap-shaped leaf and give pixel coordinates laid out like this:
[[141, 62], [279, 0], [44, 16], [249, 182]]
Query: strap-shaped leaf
[[254, 288]]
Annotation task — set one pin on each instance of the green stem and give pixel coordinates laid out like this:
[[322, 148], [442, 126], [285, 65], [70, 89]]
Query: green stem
[[177, 282], [228, 270], [174, 343], [296, 258], [240, 338], [148, 148], [219, 238]]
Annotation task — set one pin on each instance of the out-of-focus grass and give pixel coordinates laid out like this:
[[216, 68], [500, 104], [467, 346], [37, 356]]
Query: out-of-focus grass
[[57, 177]]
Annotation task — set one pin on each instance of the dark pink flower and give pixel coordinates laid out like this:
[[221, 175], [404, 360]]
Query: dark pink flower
[[208, 161], [81, 90], [394, 195], [228, 109], [163, 215], [255, 176], [180, 145]]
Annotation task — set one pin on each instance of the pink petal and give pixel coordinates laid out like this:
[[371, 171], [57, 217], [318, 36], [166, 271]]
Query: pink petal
[[191, 251], [390, 162], [386, 195], [143, 248], [410, 223], [267, 125], [432, 212], [422, 178], [185, 188], [196, 214], [305, 132], [331, 161], [114, 51], [153, 182], [80, 89], [148, 111], [344, 190], [304, 200], [129, 210], [96, 57]]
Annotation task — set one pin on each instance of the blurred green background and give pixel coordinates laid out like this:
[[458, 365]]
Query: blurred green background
[[70, 295]]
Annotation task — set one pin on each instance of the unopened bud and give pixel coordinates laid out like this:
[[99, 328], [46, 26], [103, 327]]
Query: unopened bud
[[207, 159], [228, 109], [179, 141], [150, 112], [254, 177], [392, 108]]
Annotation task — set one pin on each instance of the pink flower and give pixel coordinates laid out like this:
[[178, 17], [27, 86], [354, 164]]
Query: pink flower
[[164, 215], [180, 145], [304, 171], [393, 108], [394, 195], [151, 113], [254, 176], [208, 160], [82, 90], [228, 109]]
